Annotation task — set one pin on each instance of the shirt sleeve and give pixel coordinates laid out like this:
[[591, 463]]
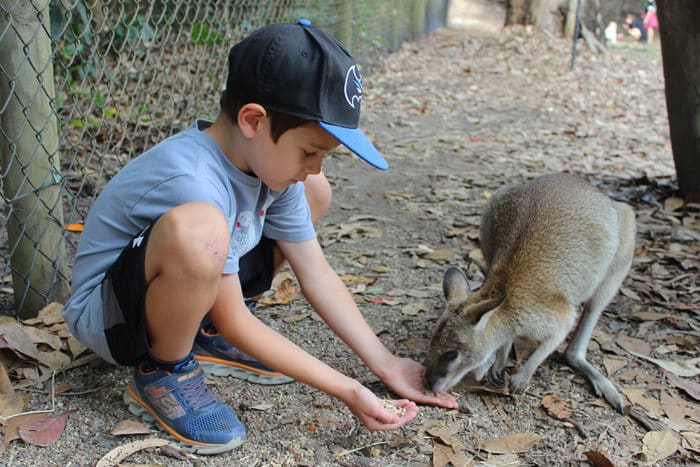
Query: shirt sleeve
[[174, 192], [288, 218]]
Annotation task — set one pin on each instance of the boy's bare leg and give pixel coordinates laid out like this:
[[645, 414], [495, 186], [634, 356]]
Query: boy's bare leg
[[185, 254]]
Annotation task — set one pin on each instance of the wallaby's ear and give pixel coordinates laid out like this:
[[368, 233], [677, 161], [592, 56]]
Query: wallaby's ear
[[455, 284], [482, 312]]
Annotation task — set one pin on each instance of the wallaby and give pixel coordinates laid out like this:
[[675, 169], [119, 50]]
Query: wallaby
[[549, 246]]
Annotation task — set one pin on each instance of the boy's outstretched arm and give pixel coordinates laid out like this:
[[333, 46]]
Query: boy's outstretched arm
[[242, 329], [330, 298]]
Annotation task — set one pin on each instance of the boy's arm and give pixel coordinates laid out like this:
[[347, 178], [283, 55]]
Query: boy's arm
[[242, 329], [327, 293]]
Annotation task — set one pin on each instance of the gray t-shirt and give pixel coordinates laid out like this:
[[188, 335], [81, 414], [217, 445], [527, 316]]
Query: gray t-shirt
[[186, 167]]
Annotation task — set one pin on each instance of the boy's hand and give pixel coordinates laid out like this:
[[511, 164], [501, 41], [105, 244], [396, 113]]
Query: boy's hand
[[372, 413], [405, 377]]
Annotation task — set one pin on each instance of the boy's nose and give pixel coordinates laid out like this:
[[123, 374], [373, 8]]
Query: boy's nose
[[313, 168]]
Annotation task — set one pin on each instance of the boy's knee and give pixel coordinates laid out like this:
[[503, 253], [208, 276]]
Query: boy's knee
[[318, 194], [195, 235]]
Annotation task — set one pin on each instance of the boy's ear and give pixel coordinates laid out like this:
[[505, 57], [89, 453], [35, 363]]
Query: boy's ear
[[249, 119]]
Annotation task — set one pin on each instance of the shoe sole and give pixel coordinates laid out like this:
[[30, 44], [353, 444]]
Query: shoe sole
[[139, 408], [218, 367]]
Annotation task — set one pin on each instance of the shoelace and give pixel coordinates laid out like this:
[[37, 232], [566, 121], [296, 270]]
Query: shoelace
[[197, 394]]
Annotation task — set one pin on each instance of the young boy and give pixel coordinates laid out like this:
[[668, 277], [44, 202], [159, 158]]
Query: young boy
[[185, 233], [635, 27]]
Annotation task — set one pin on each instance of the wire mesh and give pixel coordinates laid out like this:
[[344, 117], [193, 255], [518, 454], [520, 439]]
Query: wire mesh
[[86, 85]]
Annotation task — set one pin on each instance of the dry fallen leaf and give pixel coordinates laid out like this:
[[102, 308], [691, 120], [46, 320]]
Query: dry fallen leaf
[[284, 293], [53, 360], [43, 431], [612, 364], [414, 308], [130, 427], [685, 369], [558, 408], [641, 397], [598, 459], [50, 314], [446, 455], [674, 407], [658, 445], [42, 336], [673, 203], [441, 254], [445, 435], [692, 388], [511, 444], [384, 301], [11, 430], [18, 339], [350, 279], [262, 407], [691, 441], [13, 404], [629, 293], [295, 318], [632, 344]]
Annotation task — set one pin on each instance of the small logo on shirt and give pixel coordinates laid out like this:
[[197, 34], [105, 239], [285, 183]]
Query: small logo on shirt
[[136, 242], [243, 233]]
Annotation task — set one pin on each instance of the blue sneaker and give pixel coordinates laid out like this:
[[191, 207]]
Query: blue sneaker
[[218, 357], [182, 404]]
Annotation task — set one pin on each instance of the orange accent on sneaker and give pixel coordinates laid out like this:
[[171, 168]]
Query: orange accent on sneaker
[[134, 395], [252, 369]]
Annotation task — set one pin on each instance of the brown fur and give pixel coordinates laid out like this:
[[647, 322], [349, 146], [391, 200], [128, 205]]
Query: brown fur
[[549, 246]]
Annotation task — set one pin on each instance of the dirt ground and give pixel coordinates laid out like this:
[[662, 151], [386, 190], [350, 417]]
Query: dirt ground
[[457, 116]]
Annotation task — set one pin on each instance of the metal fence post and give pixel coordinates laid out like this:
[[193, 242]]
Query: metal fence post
[[418, 19], [346, 24], [31, 179]]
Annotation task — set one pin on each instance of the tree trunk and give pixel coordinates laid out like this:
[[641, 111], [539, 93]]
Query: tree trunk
[[543, 14], [679, 29], [570, 23], [31, 180], [519, 12]]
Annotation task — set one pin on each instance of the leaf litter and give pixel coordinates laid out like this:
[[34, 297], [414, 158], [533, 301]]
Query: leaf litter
[[456, 116]]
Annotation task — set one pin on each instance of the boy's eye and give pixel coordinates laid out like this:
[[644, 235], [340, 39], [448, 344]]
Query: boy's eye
[[309, 154]]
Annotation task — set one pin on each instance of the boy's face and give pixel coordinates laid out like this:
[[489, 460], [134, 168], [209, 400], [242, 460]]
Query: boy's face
[[297, 154]]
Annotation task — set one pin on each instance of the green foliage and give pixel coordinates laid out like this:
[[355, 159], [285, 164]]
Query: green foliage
[[71, 31], [131, 33], [203, 35]]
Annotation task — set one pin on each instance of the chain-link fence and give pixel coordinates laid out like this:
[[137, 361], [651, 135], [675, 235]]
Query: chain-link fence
[[86, 85]]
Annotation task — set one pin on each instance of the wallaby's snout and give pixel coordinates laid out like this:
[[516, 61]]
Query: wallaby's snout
[[550, 246]]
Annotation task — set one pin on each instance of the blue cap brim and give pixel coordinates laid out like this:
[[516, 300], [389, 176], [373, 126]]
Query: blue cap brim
[[357, 142]]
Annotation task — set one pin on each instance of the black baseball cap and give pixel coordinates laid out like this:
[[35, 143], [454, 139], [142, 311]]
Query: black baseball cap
[[300, 70]]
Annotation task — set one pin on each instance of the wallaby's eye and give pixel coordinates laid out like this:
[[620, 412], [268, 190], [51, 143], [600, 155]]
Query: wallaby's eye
[[448, 356]]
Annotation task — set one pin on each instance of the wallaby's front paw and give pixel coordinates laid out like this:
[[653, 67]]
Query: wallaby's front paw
[[497, 378], [518, 383]]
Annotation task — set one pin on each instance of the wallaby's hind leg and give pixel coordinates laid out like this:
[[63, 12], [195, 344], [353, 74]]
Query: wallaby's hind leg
[[576, 351]]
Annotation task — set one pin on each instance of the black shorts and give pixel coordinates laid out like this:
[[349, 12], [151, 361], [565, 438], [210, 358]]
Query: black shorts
[[124, 294]]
